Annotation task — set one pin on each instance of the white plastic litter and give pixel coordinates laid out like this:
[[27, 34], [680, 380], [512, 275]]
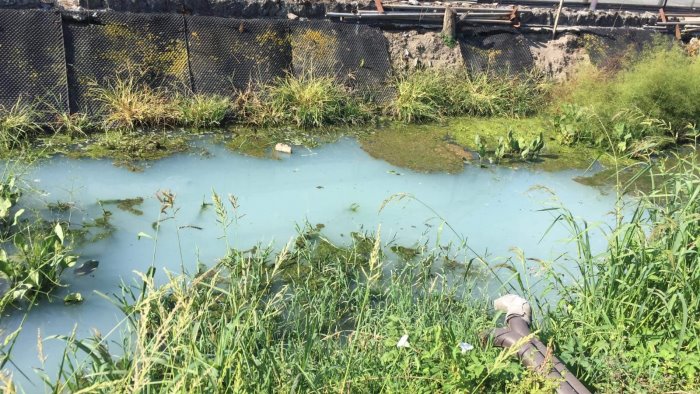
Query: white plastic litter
[[403, 342]]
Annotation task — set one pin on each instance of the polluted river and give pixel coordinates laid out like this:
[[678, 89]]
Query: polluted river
[[337, 188]]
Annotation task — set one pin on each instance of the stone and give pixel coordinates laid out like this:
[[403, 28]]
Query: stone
[[284, 148]]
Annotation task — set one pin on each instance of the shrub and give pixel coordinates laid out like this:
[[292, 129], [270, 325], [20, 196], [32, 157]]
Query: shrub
[[648, 104]]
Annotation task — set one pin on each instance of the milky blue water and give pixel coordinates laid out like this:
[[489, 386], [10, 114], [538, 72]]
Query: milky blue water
[[494, 209]]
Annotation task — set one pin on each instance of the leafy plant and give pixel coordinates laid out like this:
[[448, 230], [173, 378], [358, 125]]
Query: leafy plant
[[36, 265]]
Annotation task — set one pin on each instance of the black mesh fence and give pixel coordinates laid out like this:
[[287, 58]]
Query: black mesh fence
[[110, 48], [364, 59], [32, 60], [497, 50], [610, 48], [228, 54], [314, 48], [355, 55]]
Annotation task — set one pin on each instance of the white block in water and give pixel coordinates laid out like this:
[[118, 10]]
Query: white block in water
[[284, 148]]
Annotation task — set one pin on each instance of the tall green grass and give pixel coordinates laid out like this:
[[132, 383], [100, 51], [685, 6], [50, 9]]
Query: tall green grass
[[200, 111], [627, 319], [18, 123], [649, 104], [426, 95], [306, 100], [313, 317]]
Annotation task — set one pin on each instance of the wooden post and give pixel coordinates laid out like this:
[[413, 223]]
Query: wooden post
[[379, 5], [449, 23], [556, 20]]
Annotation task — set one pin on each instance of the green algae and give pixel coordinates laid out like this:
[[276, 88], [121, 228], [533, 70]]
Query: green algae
[[417, 147], [260, 142], [446, 146], [127, 149], [405, 253], [127, 205]]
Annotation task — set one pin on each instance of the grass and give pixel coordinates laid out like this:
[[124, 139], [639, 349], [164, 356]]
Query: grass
[[629, 323], [426, 95], [313, 317], [17, 124], [304, 101], [127, 103], [75, 126], [642, 108], [202, 112]]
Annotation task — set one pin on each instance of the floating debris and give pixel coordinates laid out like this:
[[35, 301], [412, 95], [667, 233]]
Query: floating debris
[[284, 148], [86, 268], [392, 172], [73, 298], [319, 187]]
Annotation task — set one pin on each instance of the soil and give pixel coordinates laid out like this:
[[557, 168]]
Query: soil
[[560, 57], [413, 49]]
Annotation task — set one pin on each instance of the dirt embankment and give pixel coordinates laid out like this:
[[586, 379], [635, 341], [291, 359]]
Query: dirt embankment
[[415, 49], [412, 49]]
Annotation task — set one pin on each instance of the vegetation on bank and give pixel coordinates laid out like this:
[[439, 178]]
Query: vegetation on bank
[[649, 104], [629, 113]]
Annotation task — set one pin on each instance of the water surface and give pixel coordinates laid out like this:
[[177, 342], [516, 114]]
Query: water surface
[[337, 185]]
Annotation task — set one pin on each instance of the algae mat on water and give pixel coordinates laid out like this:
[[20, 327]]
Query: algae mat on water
[[445, 147]]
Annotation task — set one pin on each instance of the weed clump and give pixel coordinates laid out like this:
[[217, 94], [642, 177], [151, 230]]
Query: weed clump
[[73, 125], [431, 94], [127, 103], [305, 100], [201, 111], [18, 123]]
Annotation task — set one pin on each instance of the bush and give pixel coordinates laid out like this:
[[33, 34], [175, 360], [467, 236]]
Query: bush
[[648, 104]]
